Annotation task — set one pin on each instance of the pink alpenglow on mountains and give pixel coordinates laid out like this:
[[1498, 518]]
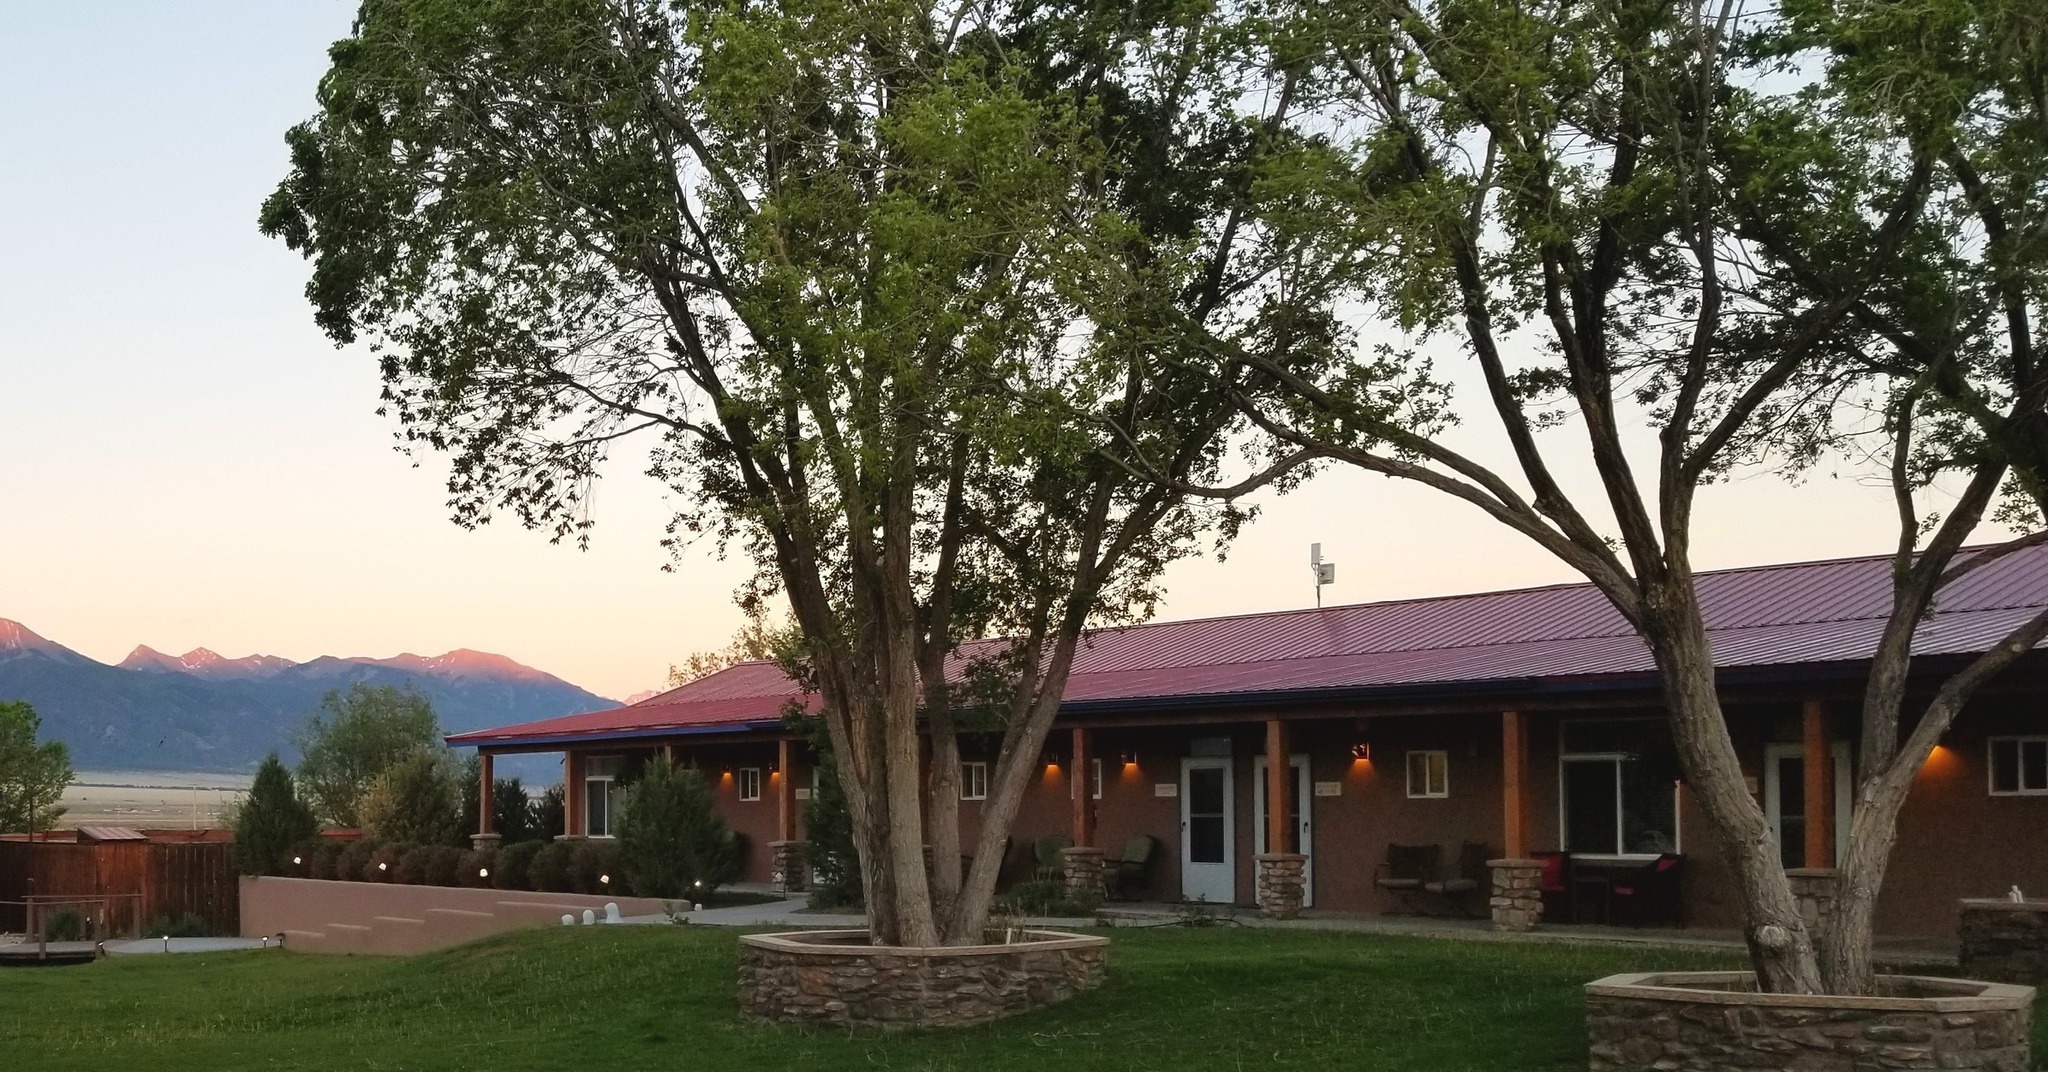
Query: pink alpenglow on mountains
[[204, 661]]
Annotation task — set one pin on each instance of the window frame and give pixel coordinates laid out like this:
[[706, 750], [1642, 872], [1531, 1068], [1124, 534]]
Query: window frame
[[753, 775], [612, 763], [971, 772], [1616, 759], [2019, 760], [1408, 770]]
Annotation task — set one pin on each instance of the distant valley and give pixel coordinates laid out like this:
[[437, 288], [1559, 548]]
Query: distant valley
[[205, 712]]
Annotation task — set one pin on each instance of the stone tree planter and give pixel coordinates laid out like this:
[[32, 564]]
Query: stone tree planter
[[1716, 1020], [2004, 940], [836, 978]]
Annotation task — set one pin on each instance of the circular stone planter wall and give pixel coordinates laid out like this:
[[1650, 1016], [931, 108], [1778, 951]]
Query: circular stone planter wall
[[1714, 1020], [836, 978]]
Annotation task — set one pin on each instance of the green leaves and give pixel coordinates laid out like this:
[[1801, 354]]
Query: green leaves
[[33, 774]]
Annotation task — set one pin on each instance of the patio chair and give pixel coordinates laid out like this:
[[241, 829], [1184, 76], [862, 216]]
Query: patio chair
[[1129, 874], [1406, 869], [1650, 894], [1559, 902], [1472, 876], [1046, 852]]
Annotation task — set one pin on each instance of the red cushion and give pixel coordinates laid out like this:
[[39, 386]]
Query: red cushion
[[1553, 873]]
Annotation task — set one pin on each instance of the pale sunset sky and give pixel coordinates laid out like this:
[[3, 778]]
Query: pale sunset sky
[[188, 462]]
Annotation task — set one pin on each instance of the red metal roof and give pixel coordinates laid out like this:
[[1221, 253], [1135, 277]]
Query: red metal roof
[[1769, 616]]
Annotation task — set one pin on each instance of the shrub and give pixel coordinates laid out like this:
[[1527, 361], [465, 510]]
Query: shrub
[[672, 840], [550, 868], [594, 868], [417, 799], [412, 866], [515, 865], [444, 866], [184, 925], [270, 821], [355, 856], [382, 867], [549, 814], [1046, 898], [477, 867], [64, 926], [325, 861]]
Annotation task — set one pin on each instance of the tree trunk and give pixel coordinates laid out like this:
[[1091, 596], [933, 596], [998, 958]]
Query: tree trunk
[[1780, 948]]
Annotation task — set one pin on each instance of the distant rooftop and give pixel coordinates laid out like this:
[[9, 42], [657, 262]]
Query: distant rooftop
[[1787, 616]]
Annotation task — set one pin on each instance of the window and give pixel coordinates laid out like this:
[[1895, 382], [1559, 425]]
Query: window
[[1096, 778], [974, 781], [2019, 766], [750, 784], [1429, 773], [601, 794], [1620, 787]]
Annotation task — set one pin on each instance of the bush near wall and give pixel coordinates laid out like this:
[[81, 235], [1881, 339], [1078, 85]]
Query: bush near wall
[[570, 867], [515, 863]]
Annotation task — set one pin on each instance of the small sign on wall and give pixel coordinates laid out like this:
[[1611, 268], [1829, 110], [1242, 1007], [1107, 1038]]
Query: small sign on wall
[[1166, 789], [803, 793], [1329, 789]]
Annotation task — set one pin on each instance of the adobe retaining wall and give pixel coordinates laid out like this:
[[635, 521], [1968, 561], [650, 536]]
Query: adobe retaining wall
[[1712, 1020], [340, 916], [836, 978]]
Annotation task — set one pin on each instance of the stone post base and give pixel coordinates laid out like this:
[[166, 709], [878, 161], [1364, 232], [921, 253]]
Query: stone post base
[[1815, 889], [1283, 880], [786, 869], [1081, 870], [485, 841], [1517, 900]]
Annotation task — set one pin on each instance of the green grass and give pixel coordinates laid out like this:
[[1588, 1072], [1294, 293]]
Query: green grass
[[662, 998]]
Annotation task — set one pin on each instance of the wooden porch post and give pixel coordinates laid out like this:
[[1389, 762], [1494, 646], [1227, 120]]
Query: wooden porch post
[[785, 793], [485, 807], [1084, 796], [1514, 785], [1819, 771], [1279, 825]]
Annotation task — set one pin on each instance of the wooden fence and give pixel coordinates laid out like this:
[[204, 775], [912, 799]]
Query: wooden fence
[[171, 878]]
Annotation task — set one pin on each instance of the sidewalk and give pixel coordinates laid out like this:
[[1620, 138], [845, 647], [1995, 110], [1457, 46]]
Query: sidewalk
[[791, 913]]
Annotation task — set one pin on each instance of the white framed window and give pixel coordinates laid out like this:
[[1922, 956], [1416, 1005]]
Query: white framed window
[[601, 794], [1429, 773], [2018, 766], [750, 784], [1618, 782], [974, 780], [1094, 780]]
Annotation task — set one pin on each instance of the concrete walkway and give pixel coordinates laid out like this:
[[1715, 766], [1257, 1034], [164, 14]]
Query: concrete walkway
[[195, 945], [791, 913]]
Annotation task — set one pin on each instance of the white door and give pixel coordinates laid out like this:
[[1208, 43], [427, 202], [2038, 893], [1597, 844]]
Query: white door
[[1785, 799], [1208, 867], [1304, 830]]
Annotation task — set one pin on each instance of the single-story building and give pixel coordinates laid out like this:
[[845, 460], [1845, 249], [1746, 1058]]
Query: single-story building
[[1523, 723]]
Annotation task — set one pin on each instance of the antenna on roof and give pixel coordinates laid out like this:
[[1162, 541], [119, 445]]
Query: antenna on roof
[[1326, 573]]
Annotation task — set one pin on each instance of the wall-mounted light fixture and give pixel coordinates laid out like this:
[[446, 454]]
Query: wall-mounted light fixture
[[1362, 751], [1130, 758], [1050, 759]]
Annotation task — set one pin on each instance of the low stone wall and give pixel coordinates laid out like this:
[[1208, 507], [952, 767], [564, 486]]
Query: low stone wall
[[1999, 939], [835, 978], [1712, 1020]]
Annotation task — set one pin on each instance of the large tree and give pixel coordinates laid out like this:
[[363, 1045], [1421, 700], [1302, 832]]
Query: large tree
[[1947, 103], [847, 266], [33, 774], [356, 735], [1542, 205]]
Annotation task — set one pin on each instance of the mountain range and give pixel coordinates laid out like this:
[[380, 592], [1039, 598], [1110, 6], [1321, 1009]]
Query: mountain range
[[205, 711]]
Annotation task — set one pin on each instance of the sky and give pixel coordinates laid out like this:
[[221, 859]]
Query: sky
[[185, 461]]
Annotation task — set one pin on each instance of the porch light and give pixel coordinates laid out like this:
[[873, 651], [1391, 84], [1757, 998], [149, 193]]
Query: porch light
[[1130, 758], [1051, 759], [1362, 751]]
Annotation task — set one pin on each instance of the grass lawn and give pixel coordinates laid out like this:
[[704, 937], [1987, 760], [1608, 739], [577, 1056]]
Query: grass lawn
[[662, 998]]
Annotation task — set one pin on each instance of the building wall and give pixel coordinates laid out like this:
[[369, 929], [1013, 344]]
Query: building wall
[[1955, 840]]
